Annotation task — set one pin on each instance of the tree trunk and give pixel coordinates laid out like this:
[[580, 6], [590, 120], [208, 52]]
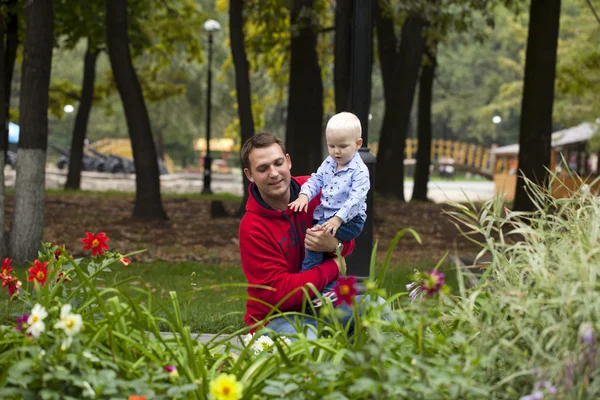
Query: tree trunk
[[305, 98], [424, 128], [160, 142], [28, 217], [400, 80], [535, 138], [81, 120], [3, 139], [148, 203], [10, 57], [242, 80], [342, 69]]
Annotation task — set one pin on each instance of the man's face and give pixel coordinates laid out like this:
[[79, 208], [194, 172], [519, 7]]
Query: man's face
[[270, 171]]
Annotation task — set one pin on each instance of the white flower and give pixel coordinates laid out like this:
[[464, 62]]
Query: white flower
[[36, 321], [262, 343], [247, 338], [69, 322], [284, 340]]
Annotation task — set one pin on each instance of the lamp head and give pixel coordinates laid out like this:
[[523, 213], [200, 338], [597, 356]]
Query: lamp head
[[211, 26]]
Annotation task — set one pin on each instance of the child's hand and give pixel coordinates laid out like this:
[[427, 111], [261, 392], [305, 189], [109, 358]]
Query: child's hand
[[332, 225], [300, 204]]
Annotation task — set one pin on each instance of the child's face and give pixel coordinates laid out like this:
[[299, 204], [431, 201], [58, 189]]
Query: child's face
[[342, 146]]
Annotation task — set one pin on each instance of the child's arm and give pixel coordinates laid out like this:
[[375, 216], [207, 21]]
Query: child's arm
[[357, 195], [300, 204], [313, 185], [332, 225]]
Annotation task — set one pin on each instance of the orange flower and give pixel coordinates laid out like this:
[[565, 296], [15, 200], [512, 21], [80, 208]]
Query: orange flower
[[345, 290], [6, 268], [125, 261], [38, 272], [136, 398], [96, 243]]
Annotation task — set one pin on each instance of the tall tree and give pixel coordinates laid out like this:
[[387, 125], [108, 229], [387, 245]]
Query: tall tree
[[10, 56], [148, 201], [400, 73], [342, 69], [82, 117], [305, 98], [28, 217], [535, 138], [3, 138], [242, 79], [424, 125]]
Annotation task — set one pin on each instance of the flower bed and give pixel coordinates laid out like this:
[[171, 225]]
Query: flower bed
[[528, 330]]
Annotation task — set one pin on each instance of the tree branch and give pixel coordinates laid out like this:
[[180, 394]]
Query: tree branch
[[70, 94], [589, 2]]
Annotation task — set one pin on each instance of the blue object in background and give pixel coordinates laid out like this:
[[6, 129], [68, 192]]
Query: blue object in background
[[13, 133]]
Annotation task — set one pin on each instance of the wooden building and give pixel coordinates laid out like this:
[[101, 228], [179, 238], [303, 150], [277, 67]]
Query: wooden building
[[569, 152]]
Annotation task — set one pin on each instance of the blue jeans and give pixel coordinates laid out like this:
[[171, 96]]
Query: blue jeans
[[291, 325], [346, 232]]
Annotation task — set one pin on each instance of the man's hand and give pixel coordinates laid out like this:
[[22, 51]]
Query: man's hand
[[332, 225], [318, 240], [300, 204]]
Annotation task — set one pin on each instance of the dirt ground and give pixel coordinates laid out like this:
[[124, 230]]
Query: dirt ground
[[190, 233]]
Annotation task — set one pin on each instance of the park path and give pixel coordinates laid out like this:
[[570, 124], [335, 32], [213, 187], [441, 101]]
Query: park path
[[439, 191]]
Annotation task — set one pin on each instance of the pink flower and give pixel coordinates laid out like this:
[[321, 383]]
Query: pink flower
[[22, 323], [432, 282]]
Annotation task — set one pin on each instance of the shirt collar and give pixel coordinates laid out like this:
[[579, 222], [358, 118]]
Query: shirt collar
[[352, 165]]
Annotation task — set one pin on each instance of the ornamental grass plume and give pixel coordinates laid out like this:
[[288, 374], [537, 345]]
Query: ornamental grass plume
[[226, 387], [96, 243]]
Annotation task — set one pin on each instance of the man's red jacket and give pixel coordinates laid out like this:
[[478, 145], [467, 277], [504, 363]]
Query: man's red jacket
[[272, 250]]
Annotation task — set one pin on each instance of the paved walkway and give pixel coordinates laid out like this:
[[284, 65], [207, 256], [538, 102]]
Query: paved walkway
[[439, 191]]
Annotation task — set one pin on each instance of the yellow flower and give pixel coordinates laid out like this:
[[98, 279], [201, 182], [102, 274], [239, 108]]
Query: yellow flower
[[226, 387]]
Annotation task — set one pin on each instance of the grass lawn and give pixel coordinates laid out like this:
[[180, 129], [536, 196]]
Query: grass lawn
[[214, 299]]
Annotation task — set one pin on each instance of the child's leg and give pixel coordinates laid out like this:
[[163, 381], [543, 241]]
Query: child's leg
[[346, 232], [312, 258], [351, 229]]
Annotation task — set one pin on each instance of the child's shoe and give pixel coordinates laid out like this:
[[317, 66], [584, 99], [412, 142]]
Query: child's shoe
[[318, 302]]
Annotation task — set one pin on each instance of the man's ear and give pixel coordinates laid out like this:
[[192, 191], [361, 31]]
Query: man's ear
[[289, 160], [248, 174]]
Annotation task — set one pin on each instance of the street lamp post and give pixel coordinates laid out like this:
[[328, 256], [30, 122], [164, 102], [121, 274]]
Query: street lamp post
[[359, 261], [210, 26]]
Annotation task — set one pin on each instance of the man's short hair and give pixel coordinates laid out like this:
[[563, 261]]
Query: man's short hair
[[259, 141], [344, 123]]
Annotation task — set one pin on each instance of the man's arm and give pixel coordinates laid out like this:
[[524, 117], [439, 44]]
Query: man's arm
[[265, 264], [318, 240]]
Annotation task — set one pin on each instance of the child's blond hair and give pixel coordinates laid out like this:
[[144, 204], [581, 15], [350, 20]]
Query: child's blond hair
[[344, 123]]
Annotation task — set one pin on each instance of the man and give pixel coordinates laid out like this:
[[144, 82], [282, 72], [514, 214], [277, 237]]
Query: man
[[273, 237]]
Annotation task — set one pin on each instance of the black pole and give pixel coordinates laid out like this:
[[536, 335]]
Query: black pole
[[207, 158], [358, 262]]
